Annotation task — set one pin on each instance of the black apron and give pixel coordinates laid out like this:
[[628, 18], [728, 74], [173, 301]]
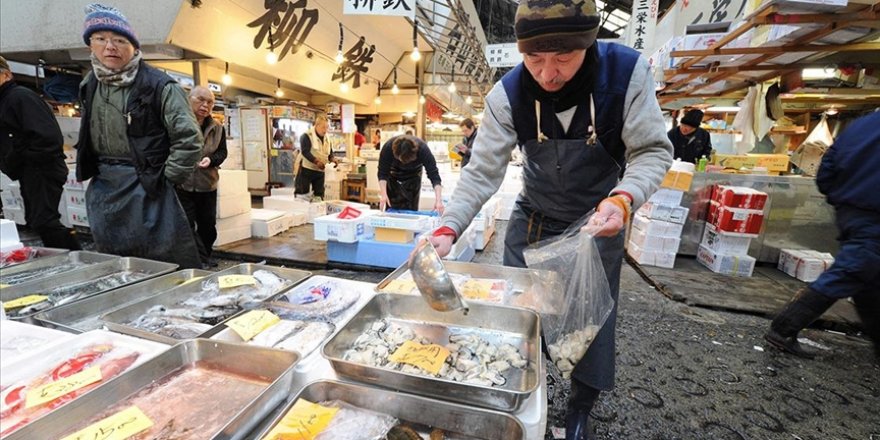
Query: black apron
[[404, 194], [126, 221], [563, 180]]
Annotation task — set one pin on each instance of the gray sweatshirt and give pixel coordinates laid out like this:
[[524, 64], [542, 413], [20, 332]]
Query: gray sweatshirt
[[648, 150]]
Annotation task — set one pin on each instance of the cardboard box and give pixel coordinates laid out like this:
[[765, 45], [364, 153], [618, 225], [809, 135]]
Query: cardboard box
[[232, 205], [651, 258], [232, 182], [678, 180], [668, 213], [654, 243], [657, 228], [735, 220], [739, 197], [230, 235], [723, 243], [665, 196], [805, 265], [234, 222], [736, 265], [772, 162], [389, 235]]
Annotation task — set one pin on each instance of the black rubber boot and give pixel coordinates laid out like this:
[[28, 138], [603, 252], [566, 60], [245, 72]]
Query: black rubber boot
[[577, 418], [60, 237], [807, 306], [868, 306]]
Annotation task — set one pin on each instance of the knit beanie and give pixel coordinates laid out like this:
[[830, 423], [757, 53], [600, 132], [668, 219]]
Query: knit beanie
[[555, 26], [107, 18], [693, 118]]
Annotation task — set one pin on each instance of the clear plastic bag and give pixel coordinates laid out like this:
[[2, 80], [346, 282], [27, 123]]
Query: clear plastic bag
[[353, 423], [574, 259]]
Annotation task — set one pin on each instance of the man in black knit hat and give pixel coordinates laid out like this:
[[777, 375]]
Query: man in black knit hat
[[689, 140]]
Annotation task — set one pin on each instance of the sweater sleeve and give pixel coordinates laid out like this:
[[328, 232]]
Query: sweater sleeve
[[305, 147], [184, 133], [430, 165], [386, 159], [648, 150], [220, 155]]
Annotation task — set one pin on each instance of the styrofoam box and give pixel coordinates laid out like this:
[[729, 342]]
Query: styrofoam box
[[651, 258], [336, 207], [72, 183], [669, 213], [234, 222], [271, 228], [725, 243], [736, 265], [298, 218], [654, 243], [17, 339], [232, 205], [8, 231], [293, 204], [229, 235], [483, 237], [466, 240], [5, 181], [266, 214], [11, 200], [657, 228], [78, 216], [14, 214], [232, 182], [290, 192], [331, 227], [409, 222], [505, 213], [75, 197], [665, 196]]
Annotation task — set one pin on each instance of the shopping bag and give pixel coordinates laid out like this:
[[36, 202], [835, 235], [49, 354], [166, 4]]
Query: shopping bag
[[808, 155]]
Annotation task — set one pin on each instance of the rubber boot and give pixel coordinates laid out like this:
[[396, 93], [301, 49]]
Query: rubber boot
[[61, 237], [577, 417], [868, 306], [806, 306]]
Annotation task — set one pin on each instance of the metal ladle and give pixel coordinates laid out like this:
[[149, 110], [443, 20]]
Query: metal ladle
[[433, 280]]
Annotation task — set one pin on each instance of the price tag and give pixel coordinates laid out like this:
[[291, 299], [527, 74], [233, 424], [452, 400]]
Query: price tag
[[191, 280], [119, 426], [253, 323], [477, 289], [54, 390], [24, 301], [227, 281], [3, 285], [400, 286], [427, 357], [304, 421]]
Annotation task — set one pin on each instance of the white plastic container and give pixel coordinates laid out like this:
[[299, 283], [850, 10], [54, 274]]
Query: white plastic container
[[331, 227], [17, 339], [410, 222], [233, 204]]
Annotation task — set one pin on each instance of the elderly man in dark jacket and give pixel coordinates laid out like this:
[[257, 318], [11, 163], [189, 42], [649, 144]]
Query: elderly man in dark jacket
[[31, 152], [689, 141], [848, 177]]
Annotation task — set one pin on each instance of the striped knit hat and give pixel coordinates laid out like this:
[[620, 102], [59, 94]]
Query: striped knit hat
[[107, 18], [555, 25]]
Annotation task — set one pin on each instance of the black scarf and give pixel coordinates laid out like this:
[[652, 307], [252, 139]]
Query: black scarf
[[574, 92]]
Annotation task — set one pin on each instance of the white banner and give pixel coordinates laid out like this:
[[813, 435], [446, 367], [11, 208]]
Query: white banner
[[642, 24], [348, 125], [399, 8], [503, 55]]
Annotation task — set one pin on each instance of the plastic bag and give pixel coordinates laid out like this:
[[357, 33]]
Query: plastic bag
[[574, 257], [353, 423], [808, 156]]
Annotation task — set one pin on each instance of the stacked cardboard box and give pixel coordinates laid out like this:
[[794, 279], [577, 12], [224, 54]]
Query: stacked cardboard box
[[233, 207], [735, 217], [803, 264]]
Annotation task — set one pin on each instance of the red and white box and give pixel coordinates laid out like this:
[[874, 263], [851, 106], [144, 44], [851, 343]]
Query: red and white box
[[725, 243], [736, 265], [803, 264], [735, 220], [739, 197]]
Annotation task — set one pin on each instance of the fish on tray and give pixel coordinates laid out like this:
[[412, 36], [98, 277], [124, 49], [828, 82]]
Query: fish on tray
[[320, 300], [299, 336], [13, 412], [23, 277], [67, 294]]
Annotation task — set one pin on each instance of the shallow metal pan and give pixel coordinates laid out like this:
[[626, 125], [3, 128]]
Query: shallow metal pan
[[42, 252], [86, 258]]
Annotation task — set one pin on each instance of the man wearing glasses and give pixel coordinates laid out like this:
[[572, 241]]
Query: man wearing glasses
[[138, 138]]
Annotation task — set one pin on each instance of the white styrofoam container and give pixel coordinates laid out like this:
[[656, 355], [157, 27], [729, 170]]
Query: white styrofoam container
[[234, 222], [266, 214], [651, 258], [410, 222], [5, 181], [14, 214], [285, 191], [736, 265], [78, 216], [337, 206], [331, 227], [298, 219], [669, 213], [8, 231], [232, 182], [725, 243], [654, 243], [664, 196], [11, 200], [229, 235], [75, 197], [657, 228], [17, 339], [232, 205], [271, 228], [505, 213]]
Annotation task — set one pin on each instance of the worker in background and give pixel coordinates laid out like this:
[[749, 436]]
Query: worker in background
[[32, 152], [377, 139], [849, 179], [198, 194], [314, 155], [587, 117], [138, 138], [690, 142], [400, 174], [470, 133]]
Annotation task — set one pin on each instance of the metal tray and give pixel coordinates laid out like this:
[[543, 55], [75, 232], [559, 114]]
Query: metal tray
[[274, 365], [42, 252], [119, 319], [84, 315], [519, 327], [85, 257], [453, 418], [150, 267], [534, 289]]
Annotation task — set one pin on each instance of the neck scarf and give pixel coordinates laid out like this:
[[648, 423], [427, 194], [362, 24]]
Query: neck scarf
[[121, 78], [574, 92]]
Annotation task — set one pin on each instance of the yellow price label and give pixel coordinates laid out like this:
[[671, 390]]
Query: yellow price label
[[191, 280], [227, 281], [253, 323], [304, 421], [54, 390], [24, 301], [119, 426], [400, 286], [427, 357], [3, 285], [477, 289]]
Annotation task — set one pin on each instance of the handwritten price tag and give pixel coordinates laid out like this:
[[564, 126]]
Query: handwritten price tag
[[119, 426], [54, 390], [253, 323], [191, 280], [477, 289], [24, 301], [427, 357], [227, 281], [304, 421], [400, 286]]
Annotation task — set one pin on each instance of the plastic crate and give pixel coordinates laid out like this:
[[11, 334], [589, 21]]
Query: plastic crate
[[370, 253], [332, 228], [401, 221]]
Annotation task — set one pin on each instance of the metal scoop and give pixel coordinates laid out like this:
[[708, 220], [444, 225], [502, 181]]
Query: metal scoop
[[432, 279]]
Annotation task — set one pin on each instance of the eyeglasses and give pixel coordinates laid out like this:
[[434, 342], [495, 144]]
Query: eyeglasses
[[201, 100], [117, 41]]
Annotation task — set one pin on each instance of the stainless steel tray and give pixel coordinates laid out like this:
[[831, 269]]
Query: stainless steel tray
[[85, 257], [519, 327], [42, 252], [274, 365], [455, 419], [534, 289], [84, 315], [118, 320], [150, 267]]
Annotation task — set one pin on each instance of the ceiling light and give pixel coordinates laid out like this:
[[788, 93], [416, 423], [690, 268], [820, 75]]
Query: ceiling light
[[415, 55], [278, 92], [378, 100], [340, 58], [271, 58], [451, 87], [723, 109], [227, 79], [422, 99], [343, 87], [814, 73], [469, 100], [394, 89]]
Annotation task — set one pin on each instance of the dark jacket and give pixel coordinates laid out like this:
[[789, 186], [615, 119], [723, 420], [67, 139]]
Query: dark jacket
[[690, 148], [391, 168], [850, 171], [29, 134], [214, 148], [469, 142]]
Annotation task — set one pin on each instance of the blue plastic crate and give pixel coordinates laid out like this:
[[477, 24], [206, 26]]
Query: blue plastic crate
[[370, 253]]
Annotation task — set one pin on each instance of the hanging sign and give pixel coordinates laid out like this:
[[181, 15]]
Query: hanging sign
[[707, 12], [642, 25], [285, 26], [400, 8], [503, 55], [357, 61]]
